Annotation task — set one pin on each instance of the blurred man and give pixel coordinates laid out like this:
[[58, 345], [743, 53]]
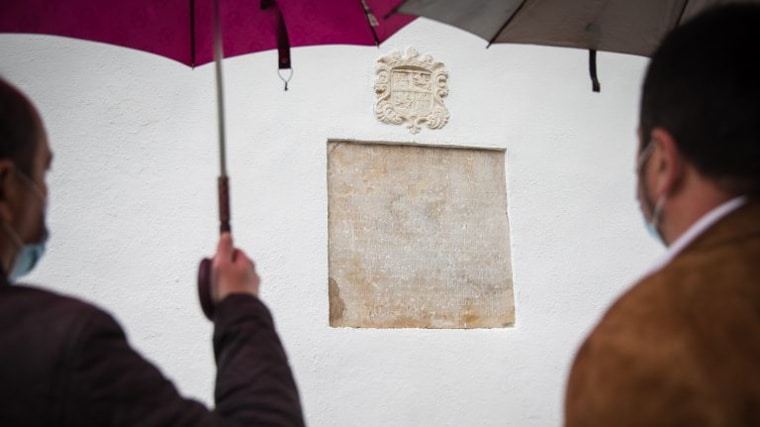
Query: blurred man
[[682, 346], [65, 362]]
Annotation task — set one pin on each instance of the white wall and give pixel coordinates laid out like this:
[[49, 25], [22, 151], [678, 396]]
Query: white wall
[[132, 211]]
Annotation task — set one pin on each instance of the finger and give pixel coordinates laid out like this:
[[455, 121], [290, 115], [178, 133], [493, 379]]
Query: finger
[[224, 249], [240, 257], [243, 262]]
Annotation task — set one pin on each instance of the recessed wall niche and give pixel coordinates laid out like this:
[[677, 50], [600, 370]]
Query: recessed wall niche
[[418, 237]]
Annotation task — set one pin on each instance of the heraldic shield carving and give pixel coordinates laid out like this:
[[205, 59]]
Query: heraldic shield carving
[[410, 89]]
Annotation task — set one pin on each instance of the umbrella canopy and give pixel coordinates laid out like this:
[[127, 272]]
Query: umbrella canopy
[[622, 26], [183, 29]]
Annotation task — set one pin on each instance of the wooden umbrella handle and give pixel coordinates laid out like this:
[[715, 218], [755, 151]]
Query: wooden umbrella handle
[[224, 204], [204, 288]]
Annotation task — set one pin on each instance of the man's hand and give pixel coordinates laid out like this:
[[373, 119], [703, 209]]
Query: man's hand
[[232, 272]]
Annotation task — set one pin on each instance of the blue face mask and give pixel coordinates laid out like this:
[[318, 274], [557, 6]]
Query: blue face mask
[[652, 229], [27, 258], [652, 225], [30, 253]]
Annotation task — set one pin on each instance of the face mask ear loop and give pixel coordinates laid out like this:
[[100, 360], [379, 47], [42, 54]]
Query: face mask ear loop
[[644, 156], [640, 163], [657, 217], [657, 211]]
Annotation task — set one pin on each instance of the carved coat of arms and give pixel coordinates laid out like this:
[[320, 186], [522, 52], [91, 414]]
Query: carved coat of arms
[[410, 89]]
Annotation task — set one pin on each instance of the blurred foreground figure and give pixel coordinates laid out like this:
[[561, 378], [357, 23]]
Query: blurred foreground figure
[[682, 346], [67, 363]]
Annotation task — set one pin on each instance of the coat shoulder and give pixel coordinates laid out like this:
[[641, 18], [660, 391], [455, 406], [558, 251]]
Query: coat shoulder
[[23, 304], [682, 341]]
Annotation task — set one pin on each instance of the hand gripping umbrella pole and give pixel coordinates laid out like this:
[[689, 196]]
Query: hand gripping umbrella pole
[[204, 269]]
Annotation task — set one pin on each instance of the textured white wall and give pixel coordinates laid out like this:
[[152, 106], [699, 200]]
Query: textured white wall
[[132, 211]]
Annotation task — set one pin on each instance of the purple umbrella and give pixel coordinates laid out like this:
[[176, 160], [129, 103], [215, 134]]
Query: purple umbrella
[[190, 31], [183, 29]]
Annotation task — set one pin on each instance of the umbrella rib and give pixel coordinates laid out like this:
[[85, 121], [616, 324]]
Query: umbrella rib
[[371, 20], [508, 21]]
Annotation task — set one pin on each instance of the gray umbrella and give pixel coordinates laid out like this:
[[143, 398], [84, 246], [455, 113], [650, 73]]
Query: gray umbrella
[[624, 26]]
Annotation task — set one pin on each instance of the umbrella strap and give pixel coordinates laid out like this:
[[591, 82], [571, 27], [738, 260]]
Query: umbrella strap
[[595, 86], [372, 21], [285, 79], [283, 41]]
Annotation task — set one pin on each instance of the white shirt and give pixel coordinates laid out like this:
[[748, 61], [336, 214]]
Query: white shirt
[[695, 230]]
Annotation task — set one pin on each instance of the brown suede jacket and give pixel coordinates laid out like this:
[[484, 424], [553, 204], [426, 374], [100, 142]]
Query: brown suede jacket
[[67, 363], [682, 347]]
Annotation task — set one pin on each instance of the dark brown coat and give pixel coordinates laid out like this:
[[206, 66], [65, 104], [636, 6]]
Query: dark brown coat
[[66, 363]]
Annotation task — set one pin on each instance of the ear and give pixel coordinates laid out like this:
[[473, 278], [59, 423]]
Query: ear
[[668, 161], [7, 189]]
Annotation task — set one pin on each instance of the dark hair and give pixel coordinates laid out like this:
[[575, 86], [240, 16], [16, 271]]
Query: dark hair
[[19, 127], [703, 86]]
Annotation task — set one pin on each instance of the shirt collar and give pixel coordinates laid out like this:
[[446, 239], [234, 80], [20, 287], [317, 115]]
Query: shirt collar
[[695, 230]]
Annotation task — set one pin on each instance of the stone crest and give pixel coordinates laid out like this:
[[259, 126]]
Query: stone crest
[[410, 88]]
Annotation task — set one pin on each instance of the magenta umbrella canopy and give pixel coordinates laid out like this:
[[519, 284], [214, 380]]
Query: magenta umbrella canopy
[[183, 29]]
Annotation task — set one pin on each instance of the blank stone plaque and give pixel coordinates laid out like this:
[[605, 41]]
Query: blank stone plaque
[[418, 237]]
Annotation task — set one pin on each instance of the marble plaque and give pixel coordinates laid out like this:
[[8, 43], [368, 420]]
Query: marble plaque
[[418, 237]]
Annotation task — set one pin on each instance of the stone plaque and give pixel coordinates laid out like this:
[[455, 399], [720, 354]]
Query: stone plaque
[[418, 237]]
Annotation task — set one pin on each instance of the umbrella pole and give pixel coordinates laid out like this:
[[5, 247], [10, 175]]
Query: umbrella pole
[[223, 181], [204, 269]]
